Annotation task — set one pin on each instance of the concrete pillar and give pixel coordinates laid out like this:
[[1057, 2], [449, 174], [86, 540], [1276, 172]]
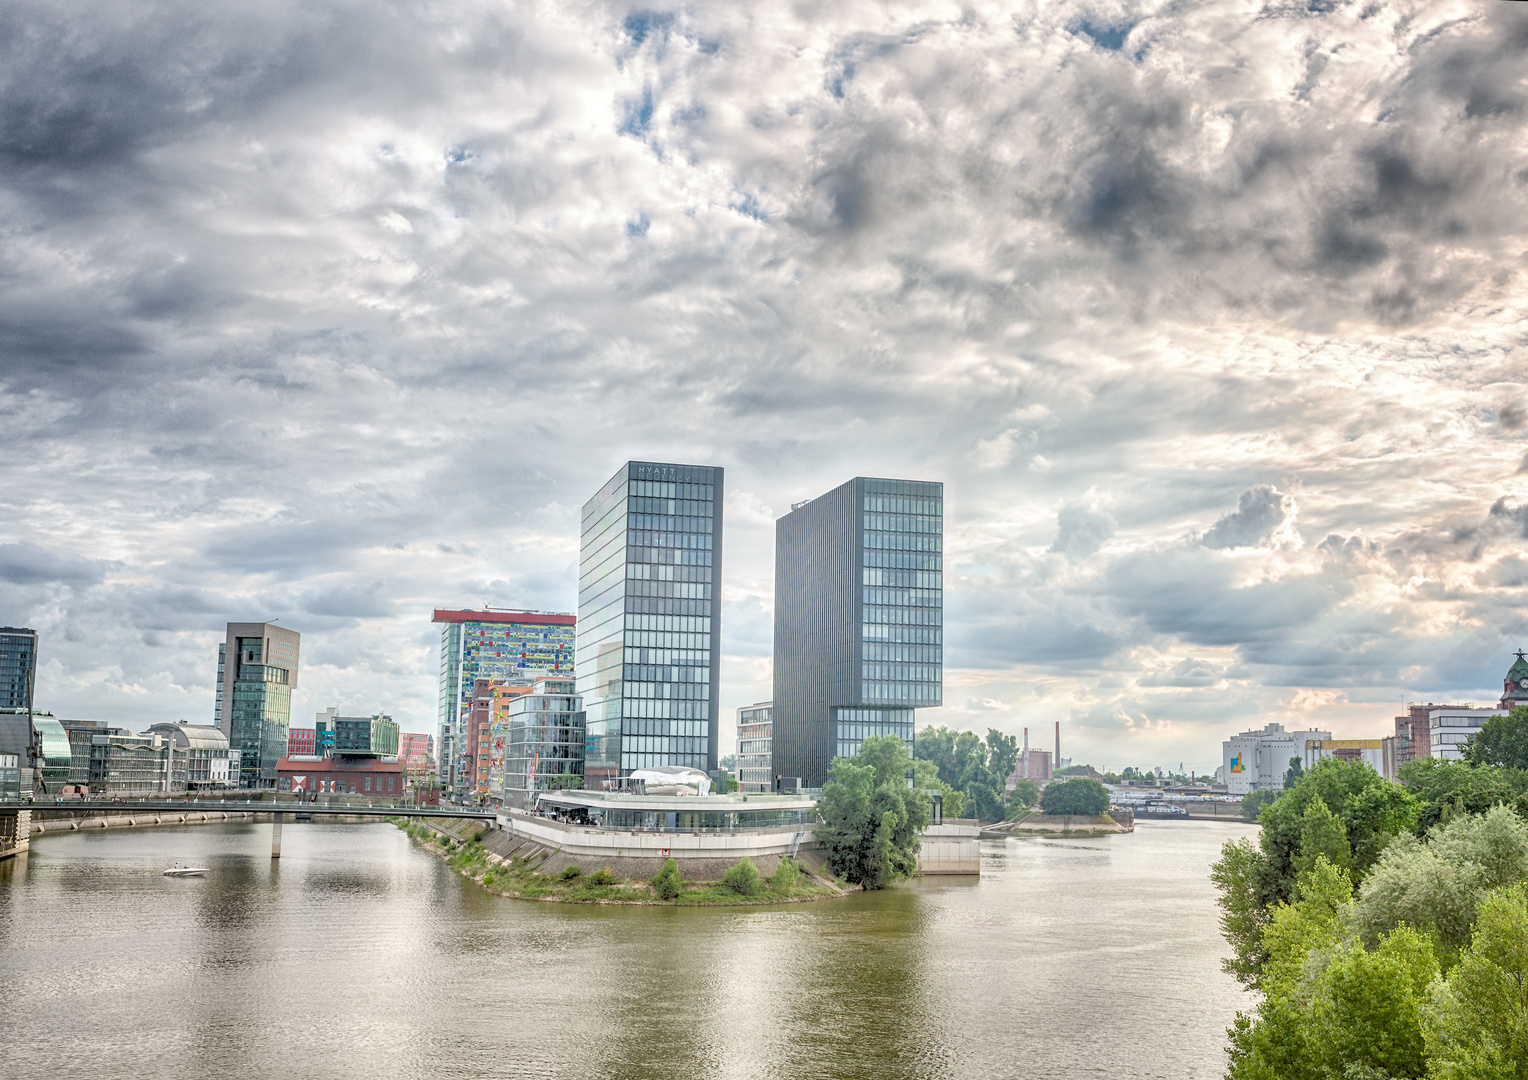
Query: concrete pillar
[[276, 834]]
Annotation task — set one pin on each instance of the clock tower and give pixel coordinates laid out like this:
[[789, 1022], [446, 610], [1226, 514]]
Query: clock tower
[[1515, 688]]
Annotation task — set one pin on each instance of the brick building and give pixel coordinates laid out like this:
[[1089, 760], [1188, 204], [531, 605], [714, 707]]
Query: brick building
[[342, 775]]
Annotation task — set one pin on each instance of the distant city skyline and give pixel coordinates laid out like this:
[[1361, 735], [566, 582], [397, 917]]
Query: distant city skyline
[[1220, 358]]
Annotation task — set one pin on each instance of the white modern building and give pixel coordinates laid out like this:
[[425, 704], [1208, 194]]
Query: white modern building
[[1449, 729], [1259, 760]]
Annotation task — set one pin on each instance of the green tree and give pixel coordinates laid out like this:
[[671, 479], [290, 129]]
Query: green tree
[[729, 762], [1025, 793], [1081, 797], [668, 884], [1293, 774], [1002, 753], [1438, 886], [1322, 836], [1244, 879], [744, 878], [872, 820], [1502, 741], [1253, 802], [926, 777], [1477, 1025], [1437, 784]]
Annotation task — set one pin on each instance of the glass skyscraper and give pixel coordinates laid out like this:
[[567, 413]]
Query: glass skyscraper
[[505, 647], [649, 619], [859, 620], [18, 667], [254, 706]]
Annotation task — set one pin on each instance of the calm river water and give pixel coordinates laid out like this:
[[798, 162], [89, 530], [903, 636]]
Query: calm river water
[[358, 955]]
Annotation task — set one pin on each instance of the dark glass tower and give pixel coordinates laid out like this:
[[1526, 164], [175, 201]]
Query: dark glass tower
[[18, 667], [859, 620], [649, 619]]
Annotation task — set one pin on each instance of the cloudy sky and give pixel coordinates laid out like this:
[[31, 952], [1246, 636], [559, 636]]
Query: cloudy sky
[[1210, 316]]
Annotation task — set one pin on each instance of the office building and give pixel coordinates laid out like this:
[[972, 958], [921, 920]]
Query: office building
[[755, 758], [542, 738], [339, 736], [416, 750], [1259, 760], [649, 619], [18, 667], [257, 672], [1413, 731], [199, 756], [302, 741], [344, 775], [1449, 729], [859, 620], [504, 647]]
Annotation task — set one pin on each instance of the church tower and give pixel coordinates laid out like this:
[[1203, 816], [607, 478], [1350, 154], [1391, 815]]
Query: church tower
[[1515, 688]]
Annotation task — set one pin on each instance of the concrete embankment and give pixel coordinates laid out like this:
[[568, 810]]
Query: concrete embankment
[[1037, 824], [56, 820]]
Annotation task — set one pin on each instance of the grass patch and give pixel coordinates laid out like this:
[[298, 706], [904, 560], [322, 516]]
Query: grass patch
[[519, 878]]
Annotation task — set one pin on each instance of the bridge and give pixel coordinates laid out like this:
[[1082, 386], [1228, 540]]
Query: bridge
[[277, 810]]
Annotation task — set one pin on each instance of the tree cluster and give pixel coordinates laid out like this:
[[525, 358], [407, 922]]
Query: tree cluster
[[1381, 946], [873, 813], [973, 769], [1082, 797]]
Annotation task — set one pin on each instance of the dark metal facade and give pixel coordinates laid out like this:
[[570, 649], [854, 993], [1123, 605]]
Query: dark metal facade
[[858, 620]]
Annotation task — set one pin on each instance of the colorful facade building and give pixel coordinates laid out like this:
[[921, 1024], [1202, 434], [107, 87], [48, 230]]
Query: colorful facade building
[[503, 647], [300, 741], [417, 752]]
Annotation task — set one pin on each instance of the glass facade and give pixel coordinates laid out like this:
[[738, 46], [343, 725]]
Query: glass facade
[[859, 620], [542, 735], [649, 619], [18, 667], [255, 706], [504, 647], [755, 772]]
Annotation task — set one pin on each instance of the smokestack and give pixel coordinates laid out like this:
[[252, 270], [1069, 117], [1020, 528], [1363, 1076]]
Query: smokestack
[[1058, 744], [1026, 740]]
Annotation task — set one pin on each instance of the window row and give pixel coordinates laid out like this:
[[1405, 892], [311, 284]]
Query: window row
[[632, 726], [904, 560], [665, 489], [912, 579], [905, 597], [665, 709], [667, 673], [904, 616], [880, 541], [674, 691], [900, 523], [901, 672], [923, 693], [883, 503], [676, 507], [666, 605], [667, 572], [916, 654], [644, 539], [692, 657], [912, 635]]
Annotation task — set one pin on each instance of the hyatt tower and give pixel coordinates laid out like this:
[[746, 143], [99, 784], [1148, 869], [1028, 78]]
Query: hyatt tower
[[859, 620], [649, 619]]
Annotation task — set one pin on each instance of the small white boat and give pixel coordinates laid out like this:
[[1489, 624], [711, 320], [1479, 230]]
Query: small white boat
[[185, 871]]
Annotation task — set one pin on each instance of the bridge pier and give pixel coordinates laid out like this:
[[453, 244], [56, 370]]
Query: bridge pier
[[276, 834]]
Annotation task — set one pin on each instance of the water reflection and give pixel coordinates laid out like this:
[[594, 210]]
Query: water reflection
[[358, 952]]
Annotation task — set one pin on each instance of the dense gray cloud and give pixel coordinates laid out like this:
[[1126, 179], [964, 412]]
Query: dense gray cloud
[[1210, 317]]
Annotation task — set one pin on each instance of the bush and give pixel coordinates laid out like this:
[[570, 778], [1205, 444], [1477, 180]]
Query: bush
[[1081, 797], [602, 876], [744, 878], [570, 872], [786, 876], [1025, 794], [668, 884], [488, 881]]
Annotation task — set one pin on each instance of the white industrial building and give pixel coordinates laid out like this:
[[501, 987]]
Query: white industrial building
[[1378, 754], [1258, 760]]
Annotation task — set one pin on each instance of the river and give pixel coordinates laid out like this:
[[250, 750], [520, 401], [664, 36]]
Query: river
[[360, 955]]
